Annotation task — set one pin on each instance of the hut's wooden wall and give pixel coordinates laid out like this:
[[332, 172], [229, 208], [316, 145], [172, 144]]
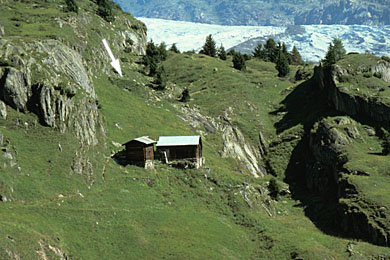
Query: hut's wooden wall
[[139, 152], [182, 152]]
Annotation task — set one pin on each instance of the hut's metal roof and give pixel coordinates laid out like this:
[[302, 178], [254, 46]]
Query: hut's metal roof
[[143, 139], [178, 140]]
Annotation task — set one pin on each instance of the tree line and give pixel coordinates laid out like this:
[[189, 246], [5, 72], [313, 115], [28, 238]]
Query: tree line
[[105, 8], [270, 51]]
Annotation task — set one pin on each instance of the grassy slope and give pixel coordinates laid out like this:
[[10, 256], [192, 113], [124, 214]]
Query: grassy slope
[[364, 84], [137, 214]]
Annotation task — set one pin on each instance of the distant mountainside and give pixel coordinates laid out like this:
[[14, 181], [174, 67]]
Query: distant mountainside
[[264, 12]]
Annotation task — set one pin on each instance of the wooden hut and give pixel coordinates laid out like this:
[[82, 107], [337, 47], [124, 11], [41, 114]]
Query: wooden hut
[[180, 148], [140, 149]]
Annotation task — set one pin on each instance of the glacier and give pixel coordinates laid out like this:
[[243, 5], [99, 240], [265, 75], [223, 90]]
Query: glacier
[[312, 41]]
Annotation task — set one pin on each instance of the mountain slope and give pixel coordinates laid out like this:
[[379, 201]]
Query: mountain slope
[[65, 112], [277, 13]]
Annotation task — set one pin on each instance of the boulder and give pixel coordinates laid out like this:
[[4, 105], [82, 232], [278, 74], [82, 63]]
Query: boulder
[[383, 68], [14, 88]]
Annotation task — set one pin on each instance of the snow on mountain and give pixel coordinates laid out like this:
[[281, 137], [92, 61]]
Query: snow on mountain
[[311, 40]]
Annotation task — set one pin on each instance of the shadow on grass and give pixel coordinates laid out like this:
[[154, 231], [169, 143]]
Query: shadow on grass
[[120, 159]]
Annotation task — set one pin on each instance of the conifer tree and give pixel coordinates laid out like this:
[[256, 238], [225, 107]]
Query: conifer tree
[[185, 95], [174, 48], [271, 50], [105, 10], [274, 189], [161, 77], [282, 65], [152, 58], [239, 61], [222, 53], [258, 52], [209, 47], [330, 57], [71, 6], [335, 52], [162, 48], [296, 57], [339, 49], [231, 52], [385, 141], [286, 53]]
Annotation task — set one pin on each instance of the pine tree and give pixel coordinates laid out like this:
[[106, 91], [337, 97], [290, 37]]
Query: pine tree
[[385, 141], [274, 189], [330, 57], [161, 78], [231, 52], [222, 53], [152, 58], [282, 65], [209, 47], [258, 52], [185, 95], [296, 57], [339, 49], [286, 53], [335, 52], [271, 50], [239, 61], [105, 10], [162, 48], [71, 6], [174, 48]]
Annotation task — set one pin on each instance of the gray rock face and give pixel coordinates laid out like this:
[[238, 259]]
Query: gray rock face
[[64, 60], [47, 108], [14, 88], [327, 141], [138, 42], [345, 102], [54, 105], [327, 145], [234, 143], [383, 67], [2, 33], [3, 110]]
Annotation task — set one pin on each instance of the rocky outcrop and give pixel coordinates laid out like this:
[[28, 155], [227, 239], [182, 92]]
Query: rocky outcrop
[[326, 175], [354, 105], [64, 60], [2, 33], [3, 110], [327, 141], [52, 76], [52, 96], [235, 144], [325, 170], [14, 88], [383, 68]]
